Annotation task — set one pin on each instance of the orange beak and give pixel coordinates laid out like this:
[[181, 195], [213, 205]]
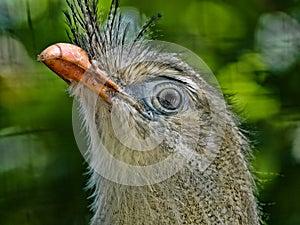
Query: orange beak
[[72, 63]]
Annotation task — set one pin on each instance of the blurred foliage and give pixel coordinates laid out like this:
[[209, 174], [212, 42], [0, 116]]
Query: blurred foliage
[[251, 46]]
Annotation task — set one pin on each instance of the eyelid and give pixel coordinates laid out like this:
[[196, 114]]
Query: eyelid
[[172, 78], [191, 85]]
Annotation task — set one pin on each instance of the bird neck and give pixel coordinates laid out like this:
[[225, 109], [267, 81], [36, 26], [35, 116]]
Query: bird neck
[[222, 194]]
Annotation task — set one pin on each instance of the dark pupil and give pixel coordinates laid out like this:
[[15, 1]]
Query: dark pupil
[[169, 98]]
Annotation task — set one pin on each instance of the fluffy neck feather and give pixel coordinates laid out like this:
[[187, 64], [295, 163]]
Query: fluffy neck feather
[[222, 194]]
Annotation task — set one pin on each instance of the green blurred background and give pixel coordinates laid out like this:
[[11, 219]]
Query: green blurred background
[[253, 48]]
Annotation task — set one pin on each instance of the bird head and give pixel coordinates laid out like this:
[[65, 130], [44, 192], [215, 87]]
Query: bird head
[[152, 124], [146, 102]]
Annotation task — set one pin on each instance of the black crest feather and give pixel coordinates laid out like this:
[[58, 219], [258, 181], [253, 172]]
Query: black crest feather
[[97, 36]]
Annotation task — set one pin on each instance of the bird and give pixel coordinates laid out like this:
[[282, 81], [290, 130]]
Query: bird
[[162, 144]]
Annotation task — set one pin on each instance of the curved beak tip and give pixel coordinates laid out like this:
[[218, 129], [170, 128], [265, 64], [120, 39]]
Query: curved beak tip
[[51, 52]]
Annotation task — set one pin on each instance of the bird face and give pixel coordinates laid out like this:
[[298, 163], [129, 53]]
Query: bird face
[[147, 107]]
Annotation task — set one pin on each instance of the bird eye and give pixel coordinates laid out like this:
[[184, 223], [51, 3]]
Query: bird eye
[[169, 98], [166, 98]]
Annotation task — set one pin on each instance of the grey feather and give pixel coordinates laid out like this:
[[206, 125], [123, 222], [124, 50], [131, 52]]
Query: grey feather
[[220, 193]]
